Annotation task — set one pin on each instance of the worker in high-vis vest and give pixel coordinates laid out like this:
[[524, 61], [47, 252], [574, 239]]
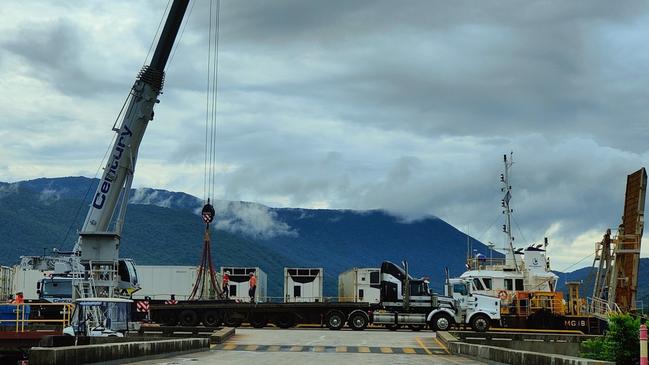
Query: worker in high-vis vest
[[226, 284], [253, 287], [19, 298]]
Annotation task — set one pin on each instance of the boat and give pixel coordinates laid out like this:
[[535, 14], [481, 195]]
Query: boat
[[522, 279]]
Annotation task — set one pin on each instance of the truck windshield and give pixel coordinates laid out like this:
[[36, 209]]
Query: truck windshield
[[55, 288]]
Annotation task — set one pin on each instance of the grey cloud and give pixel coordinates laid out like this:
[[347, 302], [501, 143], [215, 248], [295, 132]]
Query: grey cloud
[[54, 52], [485, 69]]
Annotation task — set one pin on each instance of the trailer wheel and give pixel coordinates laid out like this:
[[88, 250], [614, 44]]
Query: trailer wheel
[[441, 322], [480, 323], [211, 319], [258, 321], [188, 318], [231, 320], [358, 321], [168, 318], [285, 321], [335, 320], [416, 327]]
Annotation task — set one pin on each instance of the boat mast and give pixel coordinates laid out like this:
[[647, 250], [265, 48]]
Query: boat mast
[[510, 256]]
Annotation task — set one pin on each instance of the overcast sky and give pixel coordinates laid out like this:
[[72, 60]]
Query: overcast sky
[[406, 107]]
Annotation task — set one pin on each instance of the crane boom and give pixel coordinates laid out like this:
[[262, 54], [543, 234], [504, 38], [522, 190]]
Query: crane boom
[[143, 96], [98, 243]]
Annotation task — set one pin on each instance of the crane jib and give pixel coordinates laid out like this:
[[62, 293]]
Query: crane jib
[[109, 176]]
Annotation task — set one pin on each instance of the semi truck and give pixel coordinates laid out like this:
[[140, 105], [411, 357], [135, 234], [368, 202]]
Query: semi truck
[[403, 301]]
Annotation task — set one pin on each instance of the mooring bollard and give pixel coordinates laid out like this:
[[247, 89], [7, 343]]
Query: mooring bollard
[[643, 345]]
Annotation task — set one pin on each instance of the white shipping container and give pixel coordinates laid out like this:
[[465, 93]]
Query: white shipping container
[[159, 282], [26, 280], [303, 284], [360, 285], [6, 282], [239, 283]]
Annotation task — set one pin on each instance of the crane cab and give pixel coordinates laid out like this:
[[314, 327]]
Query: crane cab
[[128, 280], [100, 317]]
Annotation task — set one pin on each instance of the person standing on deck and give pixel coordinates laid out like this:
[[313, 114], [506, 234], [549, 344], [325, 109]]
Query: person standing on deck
[[226, 284], [253, 287]]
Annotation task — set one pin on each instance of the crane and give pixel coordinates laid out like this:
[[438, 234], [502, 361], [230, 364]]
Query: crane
[[98, 245], [93, 267]]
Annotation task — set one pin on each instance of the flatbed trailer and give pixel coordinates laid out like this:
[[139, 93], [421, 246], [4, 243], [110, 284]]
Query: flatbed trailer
[[333, 315], [402, 301]]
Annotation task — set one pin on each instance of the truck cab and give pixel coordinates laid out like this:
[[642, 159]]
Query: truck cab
[[58, 286], [55, 289], [460, 305]]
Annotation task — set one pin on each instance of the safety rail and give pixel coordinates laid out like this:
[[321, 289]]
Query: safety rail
[[527, 306], [484, 263], [23, 314], [601, 308]]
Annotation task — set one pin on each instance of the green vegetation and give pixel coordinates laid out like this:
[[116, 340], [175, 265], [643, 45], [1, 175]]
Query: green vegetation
[[619, 344]]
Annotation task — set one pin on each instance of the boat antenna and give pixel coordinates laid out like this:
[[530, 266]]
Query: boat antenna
[[507, 210]]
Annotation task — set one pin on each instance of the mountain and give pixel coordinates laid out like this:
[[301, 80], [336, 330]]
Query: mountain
[[164, 228]]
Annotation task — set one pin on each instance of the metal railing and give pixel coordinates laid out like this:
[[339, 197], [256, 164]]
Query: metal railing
[[601, 308], [23, 316], [485, 263]]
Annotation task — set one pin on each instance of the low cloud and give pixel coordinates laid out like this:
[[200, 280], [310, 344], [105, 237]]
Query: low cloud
[[8, 189], [148, 196], [48, 196], [250, 219]]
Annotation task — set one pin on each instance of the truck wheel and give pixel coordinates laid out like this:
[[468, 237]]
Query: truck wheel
[[416, 327], [480, 323], [211, 319], [188, 318], [258, 321], [335, 320], [358, 321], [441, 322]]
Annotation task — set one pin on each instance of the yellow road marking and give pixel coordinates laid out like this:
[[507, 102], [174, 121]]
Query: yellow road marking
[[386, 350], [296, 348], [252, 347], [409, 350], [341, 348], [230, 346], [318, 349], [421, 344], [363, 349], [273, 348], [442, 345]]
